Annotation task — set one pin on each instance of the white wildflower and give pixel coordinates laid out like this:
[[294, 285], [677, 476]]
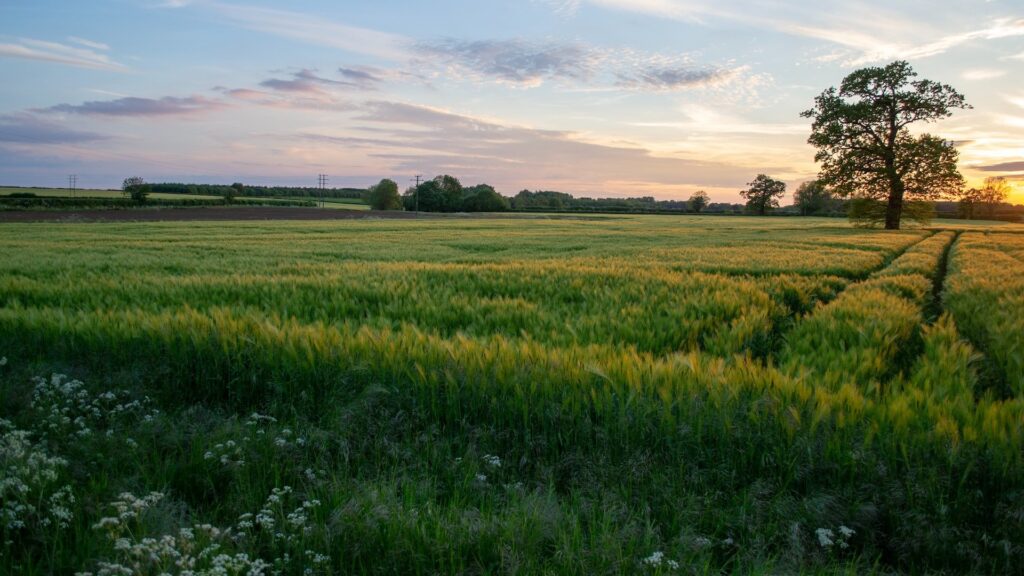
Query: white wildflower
[[655, 559], [492, 461], [825, 537], [701, 542]]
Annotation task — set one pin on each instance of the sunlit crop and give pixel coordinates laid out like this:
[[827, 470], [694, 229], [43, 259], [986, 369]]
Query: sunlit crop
[[601, 395]]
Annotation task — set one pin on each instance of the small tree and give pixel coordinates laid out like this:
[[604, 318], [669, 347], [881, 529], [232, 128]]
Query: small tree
[[984, 201], [864, 144], [994, 193], [969, 202], [383, 196], [699, 201], [813, 198], [234, 191], [763, 194], [135, 188]]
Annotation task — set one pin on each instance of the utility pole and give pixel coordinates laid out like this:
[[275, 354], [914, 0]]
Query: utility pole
[[416, 193], [73, 184], [322, 181]]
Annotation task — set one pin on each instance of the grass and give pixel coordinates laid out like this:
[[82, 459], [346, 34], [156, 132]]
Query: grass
[[644, 395]]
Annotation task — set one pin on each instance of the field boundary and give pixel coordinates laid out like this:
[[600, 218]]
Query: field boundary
[[201, 214]]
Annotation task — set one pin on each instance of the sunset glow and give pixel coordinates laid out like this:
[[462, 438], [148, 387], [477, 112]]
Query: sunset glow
[[591, 97]]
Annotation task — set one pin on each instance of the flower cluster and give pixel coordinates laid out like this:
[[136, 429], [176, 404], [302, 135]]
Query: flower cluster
[[827, 538], [31, 496], [205, 550], [657, 560], [287, 439], [229, 454], [66, 408], [234, 454]]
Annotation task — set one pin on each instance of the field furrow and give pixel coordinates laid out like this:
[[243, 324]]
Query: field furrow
[[985, 293], [871, 331]]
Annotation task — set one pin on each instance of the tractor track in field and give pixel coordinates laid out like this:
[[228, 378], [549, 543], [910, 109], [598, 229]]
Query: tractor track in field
[[780, 337], [941, 273]]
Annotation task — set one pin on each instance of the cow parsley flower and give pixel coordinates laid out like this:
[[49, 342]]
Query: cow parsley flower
[[825, 537]]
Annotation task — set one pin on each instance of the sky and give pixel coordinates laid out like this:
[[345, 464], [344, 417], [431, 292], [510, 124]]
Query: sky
[[597, 98]]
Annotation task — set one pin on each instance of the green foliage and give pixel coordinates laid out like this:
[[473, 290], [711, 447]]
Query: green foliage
[[865, 146], [231, 193], [259, 191], [763, 194], [699, 201], [136, 189], [483, 198], [814, 198], [383, 196]]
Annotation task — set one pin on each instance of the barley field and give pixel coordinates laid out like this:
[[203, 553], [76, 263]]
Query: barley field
[[592, 395]]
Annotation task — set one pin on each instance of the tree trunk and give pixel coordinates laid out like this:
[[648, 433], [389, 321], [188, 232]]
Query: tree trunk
[[895, 208]]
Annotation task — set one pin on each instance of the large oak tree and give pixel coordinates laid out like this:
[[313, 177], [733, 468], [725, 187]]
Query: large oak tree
[[865, 146]]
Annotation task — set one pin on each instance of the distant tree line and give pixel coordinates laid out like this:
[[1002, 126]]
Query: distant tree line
[[446, 193], [238, 189]]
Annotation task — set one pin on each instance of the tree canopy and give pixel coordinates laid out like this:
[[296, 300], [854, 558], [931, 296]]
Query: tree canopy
[[135, 188], [483, 198], [982, 202], [383, 196], [699, 201], [864, 144], [813, 198], [763, 194]]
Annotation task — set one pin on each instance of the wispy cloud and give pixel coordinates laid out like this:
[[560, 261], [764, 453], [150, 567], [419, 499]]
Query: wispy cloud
[[363, 76], [292, 100], [30, 129], [528, 64], [983, 74], [166, 106], [874, 47], [1003, 167], [677, 77], [89, 43], [316, 30], [87, 55], [309, 82], [513, 61], [869, 31]]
